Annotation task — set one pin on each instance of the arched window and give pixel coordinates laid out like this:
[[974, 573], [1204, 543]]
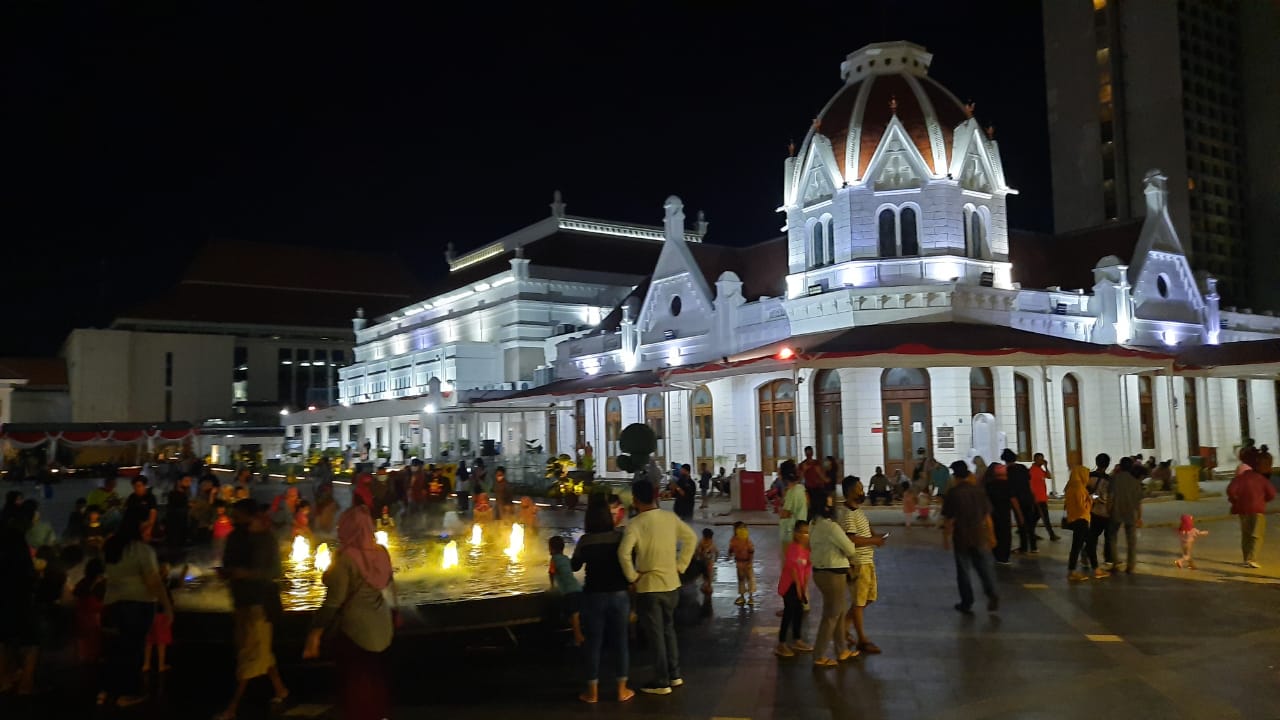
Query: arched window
[[656, 418], [553, 431], [612, 431], [776, 402], [817, 245], [909, 230], [975, 233], [580, 424], [1146, 413], [888, 233], [1242, 397], [905, 399], [827, 409], [982, 393], [1193, 416], [703, 435], [1071, 419], [831, 240], [1022, 411]]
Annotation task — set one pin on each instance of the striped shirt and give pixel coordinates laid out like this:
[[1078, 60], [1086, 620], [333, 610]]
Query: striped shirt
[[855, 522]]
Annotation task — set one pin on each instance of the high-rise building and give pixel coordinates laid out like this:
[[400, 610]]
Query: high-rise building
[[1184, 86]]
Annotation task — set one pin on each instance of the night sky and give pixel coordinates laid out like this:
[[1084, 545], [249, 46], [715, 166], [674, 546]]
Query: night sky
[[137, 133]]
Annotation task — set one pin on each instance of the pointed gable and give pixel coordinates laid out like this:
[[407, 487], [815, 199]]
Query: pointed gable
[[971, 160], [679, 299], [1163, 285], [897, 163], [819, 178]]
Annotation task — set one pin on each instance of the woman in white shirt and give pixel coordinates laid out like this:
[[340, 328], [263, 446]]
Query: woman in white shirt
[[830, 551], [134, 587]]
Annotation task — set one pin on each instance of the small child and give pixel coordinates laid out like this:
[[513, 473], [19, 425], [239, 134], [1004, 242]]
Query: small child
[[95, 535], [302, 520], [909, 501], [528, 513], [924, 504], [793, 586], [222, 527], [482, 510], [385, 521], [161, 634], [706, 554], [1188, 534], [743, 553], [619, 512], [561, 572], [89, 593]]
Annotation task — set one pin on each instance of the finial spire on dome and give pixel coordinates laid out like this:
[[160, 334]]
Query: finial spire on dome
[[991, 132], [893, 104], [817, 124], [969, 107], [791, 148], [557, 204]]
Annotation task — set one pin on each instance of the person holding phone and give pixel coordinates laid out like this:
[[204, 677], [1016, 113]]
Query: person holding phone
[[863, 584]]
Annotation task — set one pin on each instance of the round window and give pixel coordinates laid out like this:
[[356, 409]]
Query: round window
[[675, 306], [1162, 285]]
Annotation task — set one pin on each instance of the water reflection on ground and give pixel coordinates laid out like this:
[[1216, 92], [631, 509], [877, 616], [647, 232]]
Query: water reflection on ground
[[482, 572]]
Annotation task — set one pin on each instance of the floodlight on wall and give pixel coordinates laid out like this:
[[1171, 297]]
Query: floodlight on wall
[[430, 408], [987, 279], [786, 353], [284, 411]]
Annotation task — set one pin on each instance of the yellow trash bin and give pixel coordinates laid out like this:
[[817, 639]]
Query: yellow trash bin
[[1188, 481]]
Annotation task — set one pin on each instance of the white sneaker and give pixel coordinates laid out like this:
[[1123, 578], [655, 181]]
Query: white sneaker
[[1253, 564]]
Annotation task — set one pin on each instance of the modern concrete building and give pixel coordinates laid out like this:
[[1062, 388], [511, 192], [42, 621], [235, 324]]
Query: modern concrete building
[[1184, 86]]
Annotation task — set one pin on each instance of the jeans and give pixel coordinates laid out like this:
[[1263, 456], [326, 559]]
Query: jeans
[[1027, 528], [1100, 526], [1252, 528], [834, 587], [1004, 532], [604, 621], [657, 622], [1082, 539], [1044, 515], [1130, 540], [978, 559], [792, 615], [125, 627]]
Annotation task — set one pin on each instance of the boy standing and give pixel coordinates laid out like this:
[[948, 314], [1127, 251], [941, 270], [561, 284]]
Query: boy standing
[[562, 579]]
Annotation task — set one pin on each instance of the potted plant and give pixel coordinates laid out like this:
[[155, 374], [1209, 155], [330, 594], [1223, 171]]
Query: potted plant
[[560, 473]]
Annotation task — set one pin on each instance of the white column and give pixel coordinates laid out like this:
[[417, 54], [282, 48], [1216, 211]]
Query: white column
[[306, 440], [394, 439], [324, 436]]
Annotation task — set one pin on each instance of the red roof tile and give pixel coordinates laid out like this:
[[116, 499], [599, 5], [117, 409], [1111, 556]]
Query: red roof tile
[[37, 371], [1067, 260]]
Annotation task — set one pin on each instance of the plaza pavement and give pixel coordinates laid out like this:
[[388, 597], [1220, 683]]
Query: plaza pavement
[[1164, 643]]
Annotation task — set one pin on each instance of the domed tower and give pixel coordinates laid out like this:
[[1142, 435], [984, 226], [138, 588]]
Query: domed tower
[[895, 183]]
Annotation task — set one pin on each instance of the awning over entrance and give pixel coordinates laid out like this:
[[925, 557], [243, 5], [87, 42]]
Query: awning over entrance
[[579, 387], [1236, 359]]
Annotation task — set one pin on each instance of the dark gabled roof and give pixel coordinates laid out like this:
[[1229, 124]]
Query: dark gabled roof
[[952, 338], [247, 283], [1251, 352], [1067, 260], [38, 372], [590, 384]]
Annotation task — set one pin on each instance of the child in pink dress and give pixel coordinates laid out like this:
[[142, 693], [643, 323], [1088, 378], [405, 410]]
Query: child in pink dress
[[793, 586], [1187, 534], [909, 500]]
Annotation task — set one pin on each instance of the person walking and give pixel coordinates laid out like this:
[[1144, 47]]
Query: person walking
[[134, 586], [1100, 511], [685, 493], [967, 530], [704, 482], [1040, 492], [605, 603], [1126, 510], [1249, 493], [830, 552], [811, 472], [662, 545], [358, 601], [863, 584], [1024, 504], [251, 562], [1000, 495], [795, 503], [1077, 502], [177, 514]]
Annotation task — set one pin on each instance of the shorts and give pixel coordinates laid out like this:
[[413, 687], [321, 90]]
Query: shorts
[[572, 603], [253, 643], [863, 585], [161, 632]]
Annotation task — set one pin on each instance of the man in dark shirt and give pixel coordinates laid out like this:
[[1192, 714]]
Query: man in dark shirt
[[967, 530], [685, 492], [1001, 497], [1024, 503], [251, 562], [143, 499]]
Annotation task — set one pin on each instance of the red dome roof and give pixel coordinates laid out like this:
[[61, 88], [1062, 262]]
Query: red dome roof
[[882, 81]]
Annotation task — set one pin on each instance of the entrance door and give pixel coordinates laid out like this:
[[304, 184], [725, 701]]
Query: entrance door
[[776, 405], [1071, 419], [703, 434], [904, 396], [827, 409]]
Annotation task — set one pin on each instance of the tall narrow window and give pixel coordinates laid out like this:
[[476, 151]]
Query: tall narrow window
[[703, 431], [655, 417], [818, 246], [580, 424], [1242, 397], [776, 403], [827, 410], [168, 386], [1022, 410], [1146, 413], [982, 394], [909, 229], [1193, 416], [888, 233], [1071, 419], [977, 236], [612, 431], [831, 241]]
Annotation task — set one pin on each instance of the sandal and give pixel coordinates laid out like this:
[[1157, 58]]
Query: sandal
[[869, 648], [589, 698], [623, 697], [783, 651], [848, 655], [825, 663], [801, 646]]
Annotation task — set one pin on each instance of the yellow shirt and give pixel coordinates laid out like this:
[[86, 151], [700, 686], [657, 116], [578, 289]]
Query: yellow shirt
[[1076, 495]]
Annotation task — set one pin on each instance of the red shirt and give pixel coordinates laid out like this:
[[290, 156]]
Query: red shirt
[[811, 473], [1249, 493], [1038, 489], [796, 563]]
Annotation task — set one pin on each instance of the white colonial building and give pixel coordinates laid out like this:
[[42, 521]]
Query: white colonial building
[[895, 315]]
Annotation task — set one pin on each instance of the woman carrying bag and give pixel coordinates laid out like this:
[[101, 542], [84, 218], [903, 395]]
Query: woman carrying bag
[[355, 602]]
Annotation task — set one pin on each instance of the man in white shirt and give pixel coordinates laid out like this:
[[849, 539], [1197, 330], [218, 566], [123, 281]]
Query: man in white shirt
[[863, 585], [663, 546]]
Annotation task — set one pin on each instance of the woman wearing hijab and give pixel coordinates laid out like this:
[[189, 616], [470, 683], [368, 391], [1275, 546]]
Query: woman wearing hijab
[[356, 602], [1077, 503]]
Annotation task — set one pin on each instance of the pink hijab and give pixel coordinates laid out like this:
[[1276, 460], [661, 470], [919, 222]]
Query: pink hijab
[[355, 535]]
